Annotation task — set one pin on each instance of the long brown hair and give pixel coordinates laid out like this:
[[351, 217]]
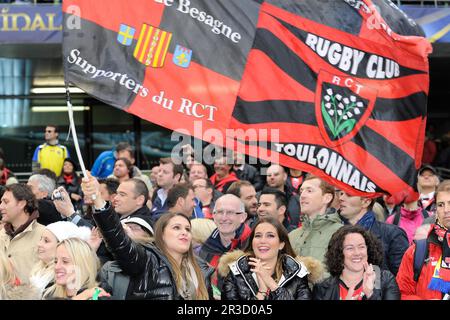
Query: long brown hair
[[282, 235], [188, 257]]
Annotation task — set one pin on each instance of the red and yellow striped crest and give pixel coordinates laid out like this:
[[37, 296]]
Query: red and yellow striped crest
[[152, 46]]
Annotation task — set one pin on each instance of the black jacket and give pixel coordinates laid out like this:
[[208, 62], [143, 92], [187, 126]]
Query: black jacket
[[387, 290], [73, 187], [116, 282], [239, 284], [394, 241], [250, 174], [151, 276], [47, 212]]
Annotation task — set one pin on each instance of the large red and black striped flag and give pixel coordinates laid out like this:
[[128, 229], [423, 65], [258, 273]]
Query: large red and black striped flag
[[344, 83]]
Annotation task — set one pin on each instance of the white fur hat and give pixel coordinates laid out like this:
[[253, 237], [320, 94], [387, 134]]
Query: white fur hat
[[64, 230]]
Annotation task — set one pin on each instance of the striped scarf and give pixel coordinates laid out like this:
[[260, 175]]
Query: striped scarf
[[441, 275]]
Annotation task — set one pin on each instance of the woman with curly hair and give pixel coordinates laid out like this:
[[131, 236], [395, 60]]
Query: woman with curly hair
[[353, 259]]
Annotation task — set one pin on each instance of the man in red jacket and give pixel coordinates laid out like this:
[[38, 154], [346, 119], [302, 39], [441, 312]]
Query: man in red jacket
[[434, 278]]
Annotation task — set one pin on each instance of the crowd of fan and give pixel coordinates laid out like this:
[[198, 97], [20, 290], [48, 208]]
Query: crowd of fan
[[192, 231]]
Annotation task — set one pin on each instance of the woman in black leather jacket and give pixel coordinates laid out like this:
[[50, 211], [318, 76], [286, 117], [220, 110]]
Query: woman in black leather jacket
[[353, 259], [167, 270], [169, 273], [267, 269]]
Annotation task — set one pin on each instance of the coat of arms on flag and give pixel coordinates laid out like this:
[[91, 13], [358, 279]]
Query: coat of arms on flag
[[182, 56], [125, 35], [152, 46], [342, 107]]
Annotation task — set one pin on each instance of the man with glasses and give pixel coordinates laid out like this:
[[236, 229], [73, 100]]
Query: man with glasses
[[231, 233], [50, 155]]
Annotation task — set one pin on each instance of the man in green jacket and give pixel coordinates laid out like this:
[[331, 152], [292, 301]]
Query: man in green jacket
[[319, 220]]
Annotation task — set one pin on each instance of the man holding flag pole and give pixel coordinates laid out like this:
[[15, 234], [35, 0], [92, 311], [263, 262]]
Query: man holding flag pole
[[344, 84]]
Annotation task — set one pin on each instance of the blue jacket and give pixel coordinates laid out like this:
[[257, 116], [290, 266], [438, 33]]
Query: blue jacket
[[394, 242], [104, 164]]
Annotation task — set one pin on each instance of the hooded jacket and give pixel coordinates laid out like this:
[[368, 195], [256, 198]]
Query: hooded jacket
[[240, 283], [151, 276], [386, 290], [311, 240], [410, 289]]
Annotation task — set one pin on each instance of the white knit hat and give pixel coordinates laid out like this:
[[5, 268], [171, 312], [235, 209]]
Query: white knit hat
[[64, 230], [139, 221]]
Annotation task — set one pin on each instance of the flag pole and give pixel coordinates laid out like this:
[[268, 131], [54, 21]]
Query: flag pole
[[74, 134]]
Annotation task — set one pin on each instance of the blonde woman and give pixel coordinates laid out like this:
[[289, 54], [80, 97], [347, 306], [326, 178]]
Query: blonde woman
[[7, 276], [10, 287], [201, 230], [76, 266], [43, 272]]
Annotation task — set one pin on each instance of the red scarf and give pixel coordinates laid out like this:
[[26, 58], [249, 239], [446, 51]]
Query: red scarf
[[68, 178], [219, 184], [4, 176]]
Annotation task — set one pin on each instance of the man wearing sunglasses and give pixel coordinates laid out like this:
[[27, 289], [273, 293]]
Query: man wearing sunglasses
[[50, 155]]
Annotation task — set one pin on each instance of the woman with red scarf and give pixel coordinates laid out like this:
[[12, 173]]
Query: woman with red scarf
[[6, 176], [433, 282], [72, 183], [223, 176]]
